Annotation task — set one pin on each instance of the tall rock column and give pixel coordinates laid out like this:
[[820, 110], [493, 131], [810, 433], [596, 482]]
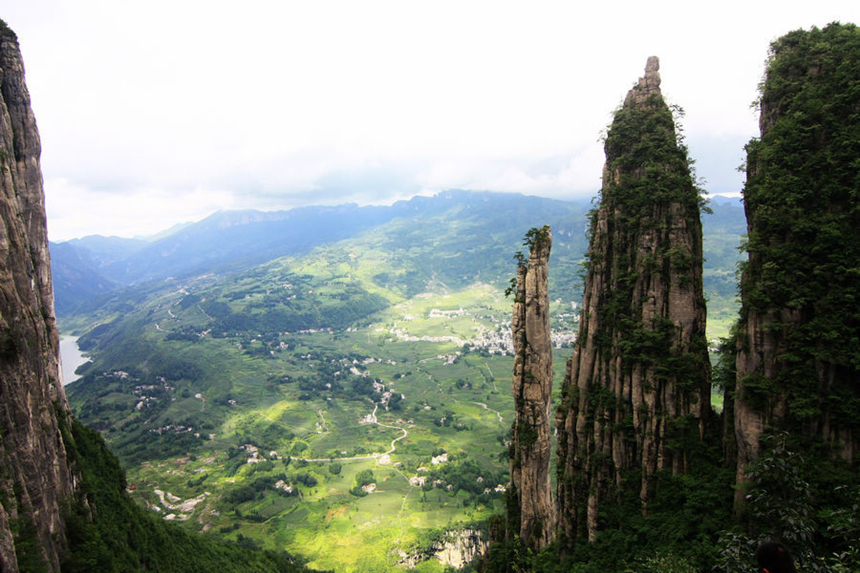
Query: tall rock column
[[798, 350], [35, 480], [533, 516], [636, 393]]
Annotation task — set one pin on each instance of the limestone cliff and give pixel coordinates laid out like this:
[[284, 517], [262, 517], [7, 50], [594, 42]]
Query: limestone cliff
[[636, 393], [35, 480], [455, 548], [533, 517], [798, 356]]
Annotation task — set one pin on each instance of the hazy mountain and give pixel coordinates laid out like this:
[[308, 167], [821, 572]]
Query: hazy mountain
[[464, 234], [240, 239], [165, 233], [283, 355], [76, 277], [104, 251]]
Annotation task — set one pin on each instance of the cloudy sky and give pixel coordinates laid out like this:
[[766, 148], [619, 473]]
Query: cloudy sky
[[158, 112]]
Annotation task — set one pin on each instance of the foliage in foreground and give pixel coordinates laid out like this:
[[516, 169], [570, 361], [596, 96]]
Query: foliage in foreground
[[802, 201], [108, 532], [803, 208]]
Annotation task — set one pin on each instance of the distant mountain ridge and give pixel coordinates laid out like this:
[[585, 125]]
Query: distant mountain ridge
[[235, 240], [285, 354], [76, 277]]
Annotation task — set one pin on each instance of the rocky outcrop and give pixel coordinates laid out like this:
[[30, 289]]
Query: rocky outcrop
[[35, 479], [636, 393], [460, 547], [533, 517], [798, 359], [455, 548]]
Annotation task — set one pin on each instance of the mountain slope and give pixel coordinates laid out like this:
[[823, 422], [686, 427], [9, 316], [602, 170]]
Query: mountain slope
[[491, 224], [393, 341], [63, 505], [76, 277]]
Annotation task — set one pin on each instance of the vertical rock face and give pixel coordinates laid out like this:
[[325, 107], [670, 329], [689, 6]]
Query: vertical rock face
[[798, 356], [35, 480], [636, 392], [533, 518], [460, 547]]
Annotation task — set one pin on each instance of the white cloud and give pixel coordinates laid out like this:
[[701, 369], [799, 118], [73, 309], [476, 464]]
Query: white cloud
[[150, 106], [74, 211]]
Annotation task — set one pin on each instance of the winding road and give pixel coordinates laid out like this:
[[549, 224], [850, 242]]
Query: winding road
[[372, 420], [485, 407]]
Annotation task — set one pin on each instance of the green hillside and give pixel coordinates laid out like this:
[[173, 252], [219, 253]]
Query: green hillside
[[252, 406]]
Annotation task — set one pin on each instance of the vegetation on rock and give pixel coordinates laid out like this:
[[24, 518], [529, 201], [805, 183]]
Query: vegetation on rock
[[789, 370], [531, 435], [636, 396], [799, 333]]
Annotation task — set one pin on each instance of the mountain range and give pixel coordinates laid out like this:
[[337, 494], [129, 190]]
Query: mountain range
[[230, 241], [392, 328]]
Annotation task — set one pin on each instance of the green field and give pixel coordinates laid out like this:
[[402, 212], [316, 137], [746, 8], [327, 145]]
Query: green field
[[250, 406], [307, 395]]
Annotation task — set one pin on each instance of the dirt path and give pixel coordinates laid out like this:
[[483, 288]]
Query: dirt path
[[492, 378], [323, 429], [485, 407], [376, 457], [392, 448]]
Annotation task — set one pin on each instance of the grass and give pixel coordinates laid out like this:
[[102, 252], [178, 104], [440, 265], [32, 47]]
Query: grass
[[348, 522], [276, 381]]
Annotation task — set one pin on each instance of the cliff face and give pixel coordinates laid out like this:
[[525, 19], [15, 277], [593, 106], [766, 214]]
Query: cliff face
[[798, 357], [35, 480], [455, 549], [533, 517], [636, 392]]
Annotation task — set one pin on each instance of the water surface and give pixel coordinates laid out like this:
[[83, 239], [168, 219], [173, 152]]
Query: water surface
[[71, 358]]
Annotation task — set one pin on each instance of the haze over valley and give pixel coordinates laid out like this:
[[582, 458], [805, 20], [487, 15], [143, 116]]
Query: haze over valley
[[346, 290]]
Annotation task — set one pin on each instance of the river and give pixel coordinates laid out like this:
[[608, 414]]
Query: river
[[72, 357]]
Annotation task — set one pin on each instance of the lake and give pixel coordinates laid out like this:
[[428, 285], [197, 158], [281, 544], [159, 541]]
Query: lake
[[72, 357]]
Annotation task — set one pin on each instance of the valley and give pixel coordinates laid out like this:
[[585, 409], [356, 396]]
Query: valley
[[337, 388], [381, 403], [359, 394]]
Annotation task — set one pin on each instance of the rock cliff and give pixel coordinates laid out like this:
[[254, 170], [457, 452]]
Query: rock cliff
[[533, 517], [455, 548], [35, 479], [636, 393], [798, 357]]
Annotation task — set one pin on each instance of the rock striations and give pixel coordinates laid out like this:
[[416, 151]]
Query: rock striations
[[35, 479], [798, 355], [533, 517], [636, 393]]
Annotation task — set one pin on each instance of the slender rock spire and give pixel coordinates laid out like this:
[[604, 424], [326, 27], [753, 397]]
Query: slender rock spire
[[636, 391], [533, 518]]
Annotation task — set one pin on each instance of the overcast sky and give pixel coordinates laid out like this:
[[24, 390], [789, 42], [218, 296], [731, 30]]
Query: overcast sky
[[163, 111]]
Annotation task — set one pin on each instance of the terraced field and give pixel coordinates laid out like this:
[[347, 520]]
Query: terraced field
[[252, 405]]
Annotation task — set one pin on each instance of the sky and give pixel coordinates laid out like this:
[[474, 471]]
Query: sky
[[159, 112]]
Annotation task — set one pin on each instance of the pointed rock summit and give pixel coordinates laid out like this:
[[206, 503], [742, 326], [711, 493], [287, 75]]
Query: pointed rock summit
[[533, 517], [636, 393], [648, 85]]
